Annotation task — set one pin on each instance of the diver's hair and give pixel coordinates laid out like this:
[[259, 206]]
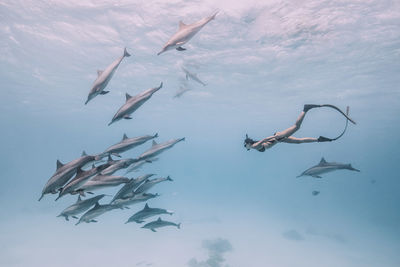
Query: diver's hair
[[248, 140]]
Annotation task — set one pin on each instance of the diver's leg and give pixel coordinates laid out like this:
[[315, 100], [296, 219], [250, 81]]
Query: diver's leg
[[295, 140]]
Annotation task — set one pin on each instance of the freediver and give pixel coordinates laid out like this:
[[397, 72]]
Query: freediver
[[286, 135]]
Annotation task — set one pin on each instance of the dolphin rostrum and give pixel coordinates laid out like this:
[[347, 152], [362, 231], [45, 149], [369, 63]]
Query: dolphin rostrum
[[103, 77], [150, 183], [95, 212], [192, 76], [100, 182], [128, 143], [147, 212], [185, 33], [132, 103], [156, 149], [80, 178], [160, 223], [129, 187], [65, 172], [79, 206], [323, 167]]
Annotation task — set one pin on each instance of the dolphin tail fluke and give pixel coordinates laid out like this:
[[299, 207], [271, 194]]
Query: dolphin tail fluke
[[41, 197], [169, 179], [155, 136], [78, 222], [161, 85], [179, 226], [58, 197], [354, 169], [126, 54]]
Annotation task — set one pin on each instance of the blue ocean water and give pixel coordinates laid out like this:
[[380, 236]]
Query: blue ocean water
[[262, 61]]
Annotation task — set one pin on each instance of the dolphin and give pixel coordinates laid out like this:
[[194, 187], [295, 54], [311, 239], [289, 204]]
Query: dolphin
[[130, 186], [65, 172], [132, 103], [118, 165], [181, 91], [323, 167], [160, 223], [192, 76], [103, 77], [315, 193], [128, 143], [125, 202], [157, 149], [138, 164], [100, 182], [185, 33], [95, 212], [150, 183], [147, 212], [79, 206], [80, 178]]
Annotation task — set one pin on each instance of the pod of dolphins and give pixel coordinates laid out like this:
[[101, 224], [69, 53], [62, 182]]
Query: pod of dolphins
[[73, 178]]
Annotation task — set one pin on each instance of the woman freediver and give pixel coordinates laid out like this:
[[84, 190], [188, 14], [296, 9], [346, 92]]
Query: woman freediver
[[286, 135]]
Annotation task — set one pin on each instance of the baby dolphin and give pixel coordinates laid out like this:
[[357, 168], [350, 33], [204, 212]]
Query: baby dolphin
[[160, 223], [192, 76], [323, 167], [128, 143], [185, 33], [130, 186], [100, 182], [65, 172], [95, 212], [132, 103], [157, 149], [150, 183], [147, 212], [103, 77], [79, 206]]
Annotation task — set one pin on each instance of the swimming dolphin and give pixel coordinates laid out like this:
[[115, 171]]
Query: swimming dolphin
[[181, 91], [118, 165], [132, 103], [95, 212], [157, 149], [150, 183], [65, 172], [160, 223], [192, 76], [315, 193], [323, 167], [100, 182], [129, 187], [185, 33], [138, 164], [103, 77], [80, 178], [147, 212], [138, 198], [128, 143], [79, 206]]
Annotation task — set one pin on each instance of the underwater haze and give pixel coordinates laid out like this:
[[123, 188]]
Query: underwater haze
[[262, 60]]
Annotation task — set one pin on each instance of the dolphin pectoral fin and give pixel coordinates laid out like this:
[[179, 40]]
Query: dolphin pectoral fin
[[41, 197], [104, 92], [74, 217], [153, 230], [116, 154], [180, 48], [139, 221], [127, 208], [316, 176], [148, 161], [90, 193], [93, 221], [127, 117]]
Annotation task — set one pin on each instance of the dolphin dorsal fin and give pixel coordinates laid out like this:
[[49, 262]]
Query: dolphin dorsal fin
[[159, 219], [83, 153], [127, 96], [99, 72], [182, 25], [79, 199], [322, 161], [154, 143], [97, 204], [146, 206], [109, 158], [59, 164], [124, 137]]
